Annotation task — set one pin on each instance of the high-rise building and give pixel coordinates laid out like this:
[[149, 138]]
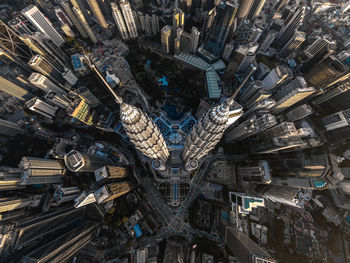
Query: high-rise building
[[33, 14], [320, 45], [42, 65], [280, 4], [11, 85], [185, 42], [119, 20], [67, 31], [111, 191], [83, 7], [155, 24], [289, 29], [66, 7], [271, 35], [219, 29], [337, 120], [110, 172], [63, 247], [19, 27], [50, 52], [44, 83], [100, 18], [299, 112], [275, 144], [287, 195], [243, 10], [40, 171], [327, 73], [62, 17], [294, 42], [31, 229], [329, 94], [10, 178], [244, 248], [246, 62], [226, 55], [251, 126], [247, 33], [260, 106], [17, 202], [9, 128], [256, 172], [42, 108], [249, 96], [65, 194], [79, 14], [59, 100], [307, 172], [148, 27], [11, 44], [178, 19], [291, 93], [139, 127], [166, 39], [69, 76], [277, 76], [209, 129], [255, 9], [245, 203], [143, 133], [83, 162], [236, 59], [125, 7]]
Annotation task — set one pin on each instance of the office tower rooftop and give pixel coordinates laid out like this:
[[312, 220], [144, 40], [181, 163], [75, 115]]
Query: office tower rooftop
[[65, 246], [82, 162], [337, 120], [255, 172], [66, 7], [19, 27], [42, 65], [326, 73], [291, 93], [110, 172], [217, 35], [287, 195], [100, 18], [299, 112], [245, 203], [14, 202], [33, 14], [166, 39], [119, 20], [111, 191], [11, 84], [37, 105], [251, 126], [43, 83], [12, 44], [125, 8], [10, 179], [244, 248], [277, 76], [83, 21], [40, 171]]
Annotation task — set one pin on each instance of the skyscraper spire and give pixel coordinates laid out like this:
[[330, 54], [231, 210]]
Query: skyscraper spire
[[209, 129], [139, 127]]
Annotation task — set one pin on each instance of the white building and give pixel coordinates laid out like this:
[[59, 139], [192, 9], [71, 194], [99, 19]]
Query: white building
[[42, 23]]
